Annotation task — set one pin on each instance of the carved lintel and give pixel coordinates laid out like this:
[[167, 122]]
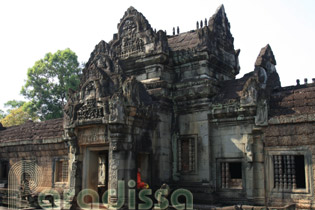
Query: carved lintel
[[93, 135]]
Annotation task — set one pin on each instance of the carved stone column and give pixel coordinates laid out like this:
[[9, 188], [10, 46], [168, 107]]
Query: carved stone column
[[276, 172], [122, 159], [289, 172], [293, 172], [225, 178], [75, 167], [280, 172]]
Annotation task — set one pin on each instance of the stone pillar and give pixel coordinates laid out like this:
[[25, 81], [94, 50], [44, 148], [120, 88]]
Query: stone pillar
[[175, 166], [75, 170], [75, 167], [122, 161], [259, 177]]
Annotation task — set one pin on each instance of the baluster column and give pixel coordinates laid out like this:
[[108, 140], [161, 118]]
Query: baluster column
[[276, 172], [293, 172]]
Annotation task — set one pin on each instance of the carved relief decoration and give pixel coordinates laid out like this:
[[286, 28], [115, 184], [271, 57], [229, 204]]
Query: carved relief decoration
[[250, 92], [136, 37], [106, 95], [116, 109], [131, 43], [131, 46], [90, 110], [92, 135]]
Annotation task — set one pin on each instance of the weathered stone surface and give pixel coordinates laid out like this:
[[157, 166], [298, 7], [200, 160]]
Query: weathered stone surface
[[50, 129], [171, 107], [293, 101], [265, 56]]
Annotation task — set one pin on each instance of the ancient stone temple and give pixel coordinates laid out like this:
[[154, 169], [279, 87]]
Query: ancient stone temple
[[171, 109]]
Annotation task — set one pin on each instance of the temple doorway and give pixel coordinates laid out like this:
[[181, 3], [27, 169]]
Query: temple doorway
[[102, 186], [144, 167], [95, 169]]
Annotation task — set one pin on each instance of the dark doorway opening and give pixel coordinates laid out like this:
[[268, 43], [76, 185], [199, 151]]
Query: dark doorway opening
[[300, 171], [144, 168]]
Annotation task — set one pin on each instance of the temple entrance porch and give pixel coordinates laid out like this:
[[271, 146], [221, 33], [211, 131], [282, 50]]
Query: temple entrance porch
[[95, 169]]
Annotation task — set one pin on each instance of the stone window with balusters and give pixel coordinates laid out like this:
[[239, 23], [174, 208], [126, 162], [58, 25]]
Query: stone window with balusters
[[187, 154], [289, 172]]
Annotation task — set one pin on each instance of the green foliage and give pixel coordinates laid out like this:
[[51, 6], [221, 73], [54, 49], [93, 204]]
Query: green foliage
[[48, 82], [18, 113], [13, 104], [2, 114], [17, 116], [29, 107]]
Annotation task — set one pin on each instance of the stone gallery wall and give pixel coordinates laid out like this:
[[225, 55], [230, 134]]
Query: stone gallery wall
[[40, 143], [172, 106], [291, 133]]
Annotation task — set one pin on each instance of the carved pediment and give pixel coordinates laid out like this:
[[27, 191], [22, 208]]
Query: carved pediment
[[133, 22], [136, 38], [131, 45], [89, 102], [102, 48], [128, 28], [105, 92], [99, 88], [106, 103]]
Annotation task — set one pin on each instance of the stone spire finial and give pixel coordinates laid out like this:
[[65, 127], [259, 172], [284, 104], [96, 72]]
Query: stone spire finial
[[220, 9], [264, 56], [206, 22], [173, 31], [219, 18], [266, 62], [297, 82], [201, 24], [177, 29], [131, 8], [219, 25], [197, 24]]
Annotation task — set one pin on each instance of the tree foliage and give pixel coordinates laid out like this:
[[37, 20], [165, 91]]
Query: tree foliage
[[18, 116], [2, 114], [13, 104], [48, 82]]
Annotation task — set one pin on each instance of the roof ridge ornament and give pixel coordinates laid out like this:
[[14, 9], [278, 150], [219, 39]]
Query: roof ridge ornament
[[264, 56], [137, 17], [219, 17]]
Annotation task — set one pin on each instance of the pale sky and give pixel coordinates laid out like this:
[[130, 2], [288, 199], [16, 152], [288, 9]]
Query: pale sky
[[31, 28]]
